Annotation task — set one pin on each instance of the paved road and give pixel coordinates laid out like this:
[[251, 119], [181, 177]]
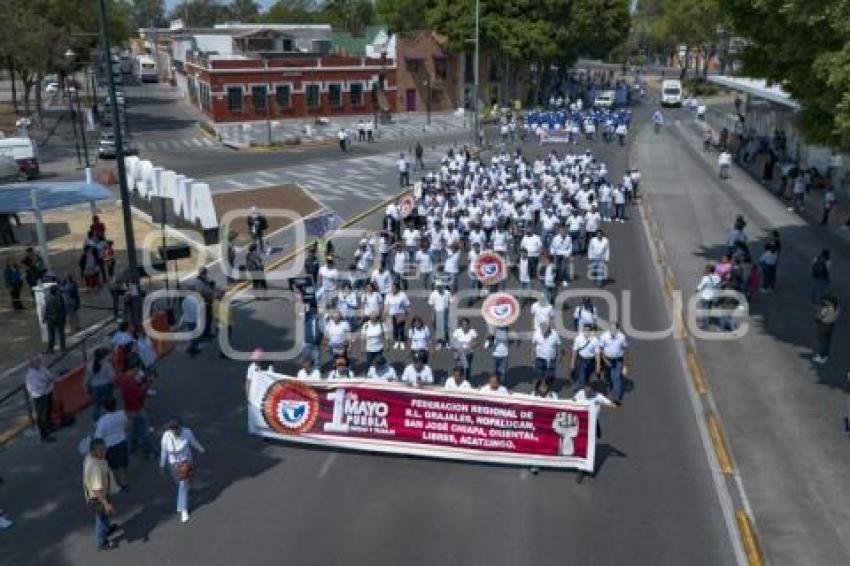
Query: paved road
[[261, 503], [783, 415]]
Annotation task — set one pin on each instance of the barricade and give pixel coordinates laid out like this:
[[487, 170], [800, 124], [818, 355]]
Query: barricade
[[70, 395]]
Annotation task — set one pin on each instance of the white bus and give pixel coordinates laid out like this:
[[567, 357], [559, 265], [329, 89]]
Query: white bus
[[144, 69]]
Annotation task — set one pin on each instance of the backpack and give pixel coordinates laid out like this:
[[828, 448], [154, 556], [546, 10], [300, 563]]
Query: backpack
[[819, 270]]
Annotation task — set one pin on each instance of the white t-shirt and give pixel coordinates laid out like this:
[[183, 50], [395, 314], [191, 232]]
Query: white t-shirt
[[452, 264], [386, 373], [501, 390], [419, 337], [372, 303], [500, 343], [374, 336], [397, 303], [337, 333], [329, 276], [413, 376], [423, 261], [112, 428], [542, 312], [613, 344], [596, 401], [452, 384], [546, 346], [383, 280], [532, 244], [586, 346], [411, 237], [463, 340], [313, 375]]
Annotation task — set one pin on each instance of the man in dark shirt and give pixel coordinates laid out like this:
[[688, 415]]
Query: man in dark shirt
[[54, 317]]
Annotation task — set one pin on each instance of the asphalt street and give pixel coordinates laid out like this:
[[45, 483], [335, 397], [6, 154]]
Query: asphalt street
[[652, 500]]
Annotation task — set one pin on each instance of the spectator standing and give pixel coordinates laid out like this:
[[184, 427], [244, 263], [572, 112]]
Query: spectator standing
[[189, 319], [39, 383], [70, 292], [374, 337], [176, 452], [417, 373], [100, 379], [257, 225], [55, 314], [439, 300], [112, 427], [820, 276], [99, 485], [825, 319], [403, 171], [828, 205], [14, 279], [134, 388], [768, 261]]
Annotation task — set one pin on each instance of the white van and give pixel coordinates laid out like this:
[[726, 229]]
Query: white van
[[671, 92], [24, 152]]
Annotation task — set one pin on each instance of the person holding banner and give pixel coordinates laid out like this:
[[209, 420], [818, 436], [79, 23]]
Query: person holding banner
[[494, 386], [457, 380], [308, 371], [588, 395], [381, 370], [341, 371], [500, 339], [417, 373], [464, 341]]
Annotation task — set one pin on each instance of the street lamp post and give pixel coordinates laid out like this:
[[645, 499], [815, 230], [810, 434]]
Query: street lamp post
[[74, 100], [475, 118], [119, 157], [428, 100]]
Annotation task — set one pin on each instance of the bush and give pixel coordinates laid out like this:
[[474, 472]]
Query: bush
[[701, 87]]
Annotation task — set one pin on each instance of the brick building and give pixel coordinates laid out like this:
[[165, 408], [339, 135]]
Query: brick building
[[423, 65], [265, 77]]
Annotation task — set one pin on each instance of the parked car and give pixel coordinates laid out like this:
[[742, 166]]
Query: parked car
[[25, 153], [107, 149], [604, 99], [9, 171], [52, 88]]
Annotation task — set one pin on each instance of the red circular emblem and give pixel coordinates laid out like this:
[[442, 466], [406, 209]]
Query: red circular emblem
[[290, 407], [500, 309], [406, 205], [489, 268]]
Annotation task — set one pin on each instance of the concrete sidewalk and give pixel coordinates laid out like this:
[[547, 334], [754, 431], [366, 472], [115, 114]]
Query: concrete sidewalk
[[783, 415]]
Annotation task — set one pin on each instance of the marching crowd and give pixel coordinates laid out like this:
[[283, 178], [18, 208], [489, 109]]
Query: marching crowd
[[541, 216]]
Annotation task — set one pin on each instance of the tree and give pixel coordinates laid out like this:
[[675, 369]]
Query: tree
[[350, 15], [244, 10], [291, 11], [147, 13], [402, 16], [200, 13], [804, 47]]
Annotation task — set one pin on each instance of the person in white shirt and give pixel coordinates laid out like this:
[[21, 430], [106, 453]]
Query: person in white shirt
[[500, 339], [403, 171], [397, 307], [382, 371], [399, 263], [549, 277], [585, 359], [547, 347], [342, 136], [542, 312], [457, 380], [424, 264], [112, 428], [464, 341], [614, 348], [724, 163], [189, 320], [176, 448], [523, 269], [383, 280], [411, 237], [541, 389], [420, 338], [619, 196], [440, 300], [372, 300], [706, 288], [308, 372], [374, 336], [575, 224], [588, 395], [364, 256], [39, 383], [533, 245], [592, 221], [451, 267], [561, 248], [337, 332], [341, 371], [598, 255], [122, 336], [494, 386], [417, 373]]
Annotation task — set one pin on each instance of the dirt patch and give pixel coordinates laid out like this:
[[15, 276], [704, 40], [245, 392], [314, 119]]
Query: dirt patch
[[287, 197]]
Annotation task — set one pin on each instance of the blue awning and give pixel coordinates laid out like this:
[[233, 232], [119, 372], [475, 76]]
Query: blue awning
[[17, 197]]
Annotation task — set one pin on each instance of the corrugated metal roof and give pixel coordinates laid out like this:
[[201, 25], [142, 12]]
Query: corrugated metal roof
[[756, 87]]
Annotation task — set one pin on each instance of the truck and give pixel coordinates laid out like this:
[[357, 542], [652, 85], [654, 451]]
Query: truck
[[671, 92]]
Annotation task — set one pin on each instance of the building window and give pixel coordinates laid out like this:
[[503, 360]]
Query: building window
[[335, 95], [441, 69], [284, 96], [259, 97], [313, 99], [234, 99], [204, 95], [356, 94]]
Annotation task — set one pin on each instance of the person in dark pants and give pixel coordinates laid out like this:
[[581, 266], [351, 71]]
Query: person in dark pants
[[255, 265], [418, 152], [55, 313], [99, 486], [820, 277], [39, 383], [257, 225], [14, 279], [825, 319]]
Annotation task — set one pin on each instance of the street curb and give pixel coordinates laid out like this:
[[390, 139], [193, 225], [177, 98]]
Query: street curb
[[8, 435], [736, 510]]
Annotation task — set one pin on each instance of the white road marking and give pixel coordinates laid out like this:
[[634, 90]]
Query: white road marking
[[268, 175], [326, 465], [197, 142], [235, 183]]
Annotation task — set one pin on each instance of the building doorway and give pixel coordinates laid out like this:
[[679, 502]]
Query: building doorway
[[410, 97]]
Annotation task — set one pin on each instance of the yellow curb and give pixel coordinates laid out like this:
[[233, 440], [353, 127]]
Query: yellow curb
[[19, 425], [723, 457], [748, 538], [696, 373]]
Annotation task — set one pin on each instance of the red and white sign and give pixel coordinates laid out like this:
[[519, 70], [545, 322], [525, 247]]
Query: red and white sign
[[500, 309], [383, 417], [406, 205], [489, 268]]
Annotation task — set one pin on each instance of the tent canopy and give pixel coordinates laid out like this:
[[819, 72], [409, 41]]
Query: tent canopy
[[18, 197]]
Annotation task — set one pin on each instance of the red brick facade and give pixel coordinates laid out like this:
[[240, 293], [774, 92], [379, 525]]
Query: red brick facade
[[343, 85], [422, 61]]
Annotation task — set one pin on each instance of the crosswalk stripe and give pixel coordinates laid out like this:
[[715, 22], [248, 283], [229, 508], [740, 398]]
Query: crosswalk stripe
[[268, 175], [238, 184], [197, 142]]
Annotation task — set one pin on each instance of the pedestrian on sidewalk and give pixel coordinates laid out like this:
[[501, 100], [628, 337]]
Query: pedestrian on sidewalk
[[14, 278], [724, 163], [134, 387], [403, 171], [820, 277], [176, 451], [99, 485], [825, 319], [39, 383], [55, 314], [768, 261], [254, 264], [419, 152], [828, 205], [70, 292]]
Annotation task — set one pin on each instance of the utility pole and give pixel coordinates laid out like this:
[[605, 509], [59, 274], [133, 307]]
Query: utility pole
[[475, 125], [119, 156]]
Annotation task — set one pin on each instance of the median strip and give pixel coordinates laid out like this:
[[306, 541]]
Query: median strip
[[720, 449], [748, 538]]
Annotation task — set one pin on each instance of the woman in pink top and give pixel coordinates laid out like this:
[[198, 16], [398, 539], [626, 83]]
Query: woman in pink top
[[723, 267]]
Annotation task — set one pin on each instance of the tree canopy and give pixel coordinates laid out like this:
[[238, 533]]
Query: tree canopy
[[805, 47]]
